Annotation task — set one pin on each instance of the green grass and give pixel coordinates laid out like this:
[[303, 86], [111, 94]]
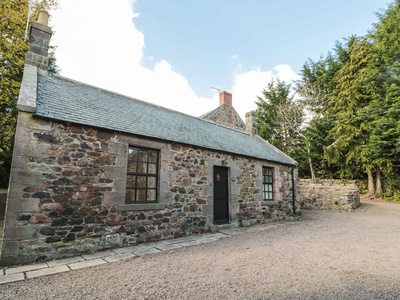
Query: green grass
[[3, 191]]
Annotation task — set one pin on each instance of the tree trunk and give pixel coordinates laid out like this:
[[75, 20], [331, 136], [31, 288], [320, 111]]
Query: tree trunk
[[378, 185], [371, 188], [313, 178]]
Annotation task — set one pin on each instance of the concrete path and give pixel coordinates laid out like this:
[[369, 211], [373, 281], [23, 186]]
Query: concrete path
[[19, 273]]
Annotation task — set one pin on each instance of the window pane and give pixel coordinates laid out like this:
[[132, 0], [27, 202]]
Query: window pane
[[151, 182], [268, 180], [142, 168], [132, 167], [132, 154], [141, 181], [152, 168], [142, 155], [151, 195], [152, 156], [142, 175], [141, 195], [130, 195], [130, 181]]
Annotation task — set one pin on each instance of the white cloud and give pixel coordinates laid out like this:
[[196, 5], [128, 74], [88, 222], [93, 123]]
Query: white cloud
[[99, 44], [248, 85]]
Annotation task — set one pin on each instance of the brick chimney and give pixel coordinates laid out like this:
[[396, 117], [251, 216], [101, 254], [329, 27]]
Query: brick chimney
[[225, 98], [39, 40], [251, 123]]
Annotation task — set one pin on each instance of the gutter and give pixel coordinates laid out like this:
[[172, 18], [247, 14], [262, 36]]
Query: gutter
[[293, 195]]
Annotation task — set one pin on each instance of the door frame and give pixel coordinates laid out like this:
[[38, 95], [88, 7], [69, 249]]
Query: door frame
[[227, 187]]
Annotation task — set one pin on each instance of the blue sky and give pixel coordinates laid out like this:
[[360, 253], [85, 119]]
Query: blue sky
[[172, 52]]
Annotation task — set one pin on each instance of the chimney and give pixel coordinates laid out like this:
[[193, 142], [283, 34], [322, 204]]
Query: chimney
[[225, 98], [39, 40], [251, 123]]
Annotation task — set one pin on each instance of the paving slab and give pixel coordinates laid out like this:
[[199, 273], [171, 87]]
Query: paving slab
[[168, 247], [118, 257], [25, 268], [190, 243], [208, 240], [12, 278], [65, 261], [87, 263], [145, 251], [171, 241], [125, 249], [98, 254], [47, 271]]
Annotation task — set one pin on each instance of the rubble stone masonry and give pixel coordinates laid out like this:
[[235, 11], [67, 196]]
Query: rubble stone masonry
[[67, 192], [329, 195]]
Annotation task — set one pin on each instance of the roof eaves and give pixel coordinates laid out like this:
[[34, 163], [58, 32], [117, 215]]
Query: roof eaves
[[294, 163]]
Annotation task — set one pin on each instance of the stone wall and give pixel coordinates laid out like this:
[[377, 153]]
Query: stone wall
[[226, 115], [329, 195], [67, 192]]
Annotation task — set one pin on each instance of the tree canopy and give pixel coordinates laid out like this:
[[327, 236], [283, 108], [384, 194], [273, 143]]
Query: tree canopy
[[352, 99]]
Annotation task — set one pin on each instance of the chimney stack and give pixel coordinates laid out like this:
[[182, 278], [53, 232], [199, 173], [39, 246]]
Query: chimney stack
[[251, 123], [39, 40], [225, 98]]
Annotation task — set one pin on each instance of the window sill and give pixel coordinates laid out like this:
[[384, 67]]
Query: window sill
[[141, 206]]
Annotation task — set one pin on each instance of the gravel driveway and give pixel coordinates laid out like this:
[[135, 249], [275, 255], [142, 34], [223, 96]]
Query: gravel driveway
[[328, 255]]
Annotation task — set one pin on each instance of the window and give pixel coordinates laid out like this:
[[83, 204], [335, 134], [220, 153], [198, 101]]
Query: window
[[142, 176], [268, 183]]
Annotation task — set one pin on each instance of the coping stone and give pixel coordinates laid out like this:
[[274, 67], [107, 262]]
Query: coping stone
[[118, 257], [12, 278], [47, 271], [26, 268], [87, 263], [65, 261], [98, 254]]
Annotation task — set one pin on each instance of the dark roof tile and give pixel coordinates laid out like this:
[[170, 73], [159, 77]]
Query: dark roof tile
[[66, 100]]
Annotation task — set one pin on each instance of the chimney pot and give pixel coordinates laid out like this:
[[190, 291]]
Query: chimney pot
[[43, 17], [225, 98]]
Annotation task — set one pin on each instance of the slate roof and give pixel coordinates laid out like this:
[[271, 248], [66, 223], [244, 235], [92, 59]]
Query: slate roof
[[66, 100]]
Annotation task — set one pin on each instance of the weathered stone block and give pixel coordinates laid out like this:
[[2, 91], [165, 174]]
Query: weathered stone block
[[23, 177], [20, 233], [23, 205], [32, 150], [115, 172], [9, 249], [118, 148]]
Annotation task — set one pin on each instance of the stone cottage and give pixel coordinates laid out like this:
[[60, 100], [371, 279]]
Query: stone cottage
[[95, 170]]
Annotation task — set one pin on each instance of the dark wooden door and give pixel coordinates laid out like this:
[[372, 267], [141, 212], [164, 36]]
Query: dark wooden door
[[221, 205]]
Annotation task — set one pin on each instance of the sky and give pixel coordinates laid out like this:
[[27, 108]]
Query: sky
[[179, 53]]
